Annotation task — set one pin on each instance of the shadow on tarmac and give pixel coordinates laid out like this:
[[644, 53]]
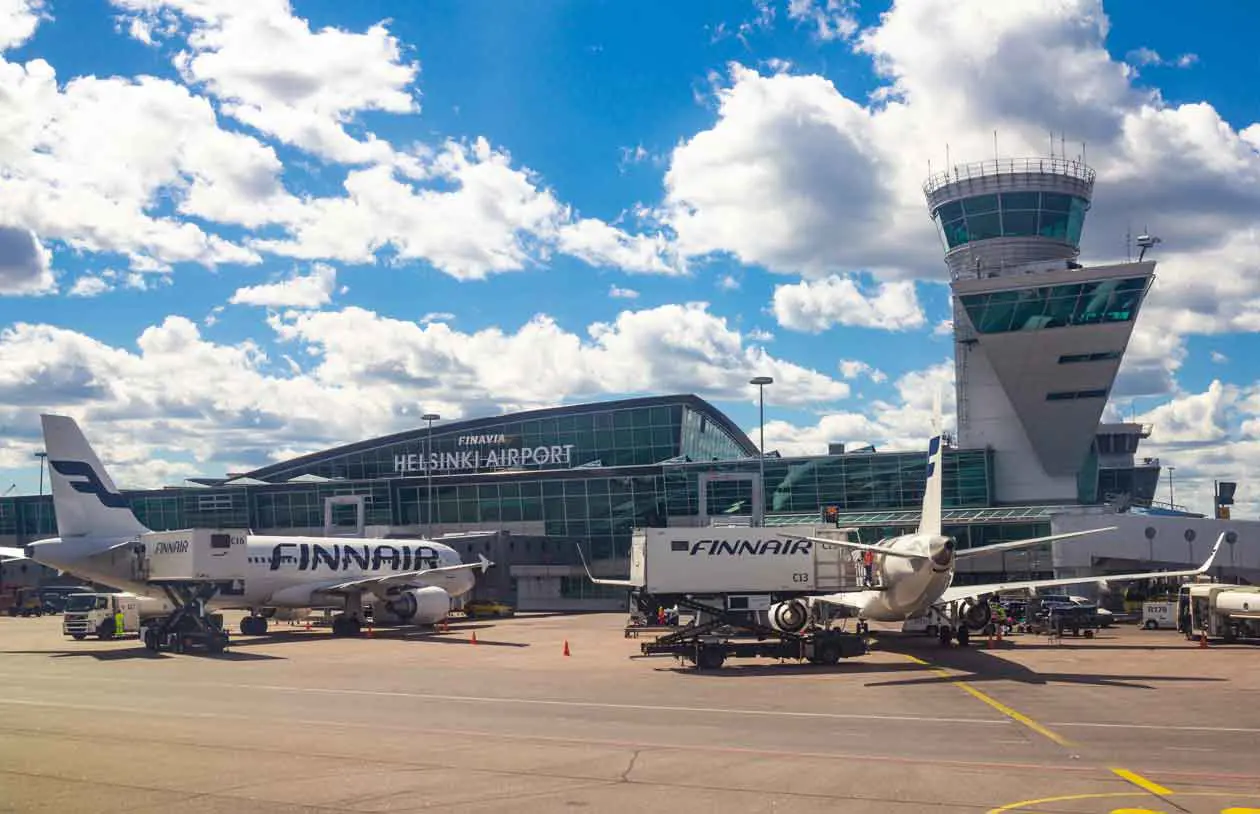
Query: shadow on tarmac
[[978, 664], [455, 635], [141, 653]]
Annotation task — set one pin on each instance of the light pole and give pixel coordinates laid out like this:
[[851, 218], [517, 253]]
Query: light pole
[[428, 465], [761, 382], [43, 456], [1172, 503]]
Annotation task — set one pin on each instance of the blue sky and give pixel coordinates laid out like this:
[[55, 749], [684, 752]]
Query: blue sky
[[740, 149]]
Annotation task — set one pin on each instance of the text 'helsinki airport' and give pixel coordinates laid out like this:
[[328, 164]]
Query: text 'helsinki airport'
[[1039, 338]]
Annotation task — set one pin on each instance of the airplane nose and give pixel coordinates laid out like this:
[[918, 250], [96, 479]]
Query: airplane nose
[[943, 551]]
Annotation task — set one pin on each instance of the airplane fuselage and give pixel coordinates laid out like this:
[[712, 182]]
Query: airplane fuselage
[[910, 586], [282, 572]]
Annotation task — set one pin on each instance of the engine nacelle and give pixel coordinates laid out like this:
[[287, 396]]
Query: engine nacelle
[[789, 617], [977, 615], [420, 606]]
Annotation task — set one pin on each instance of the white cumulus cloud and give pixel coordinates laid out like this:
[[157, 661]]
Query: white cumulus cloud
[[815, 306], [298, 291]]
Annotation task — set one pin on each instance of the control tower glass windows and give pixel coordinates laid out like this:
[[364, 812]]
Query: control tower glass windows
[[1059, 306], [1052, 215]]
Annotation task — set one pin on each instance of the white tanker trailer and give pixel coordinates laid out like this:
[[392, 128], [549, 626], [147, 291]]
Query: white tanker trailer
[[1228, 612]]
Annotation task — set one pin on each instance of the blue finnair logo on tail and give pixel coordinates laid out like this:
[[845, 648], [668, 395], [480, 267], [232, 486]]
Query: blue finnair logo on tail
[[91, 483], [933, 448]]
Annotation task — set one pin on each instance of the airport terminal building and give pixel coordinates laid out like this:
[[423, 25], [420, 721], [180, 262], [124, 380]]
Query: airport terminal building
[[1039, 339]]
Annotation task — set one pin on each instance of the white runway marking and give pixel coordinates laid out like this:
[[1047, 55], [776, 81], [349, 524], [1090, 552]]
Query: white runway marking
[[474, 699]]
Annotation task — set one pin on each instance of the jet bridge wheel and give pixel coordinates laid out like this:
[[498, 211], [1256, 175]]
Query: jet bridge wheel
[[710, 658]]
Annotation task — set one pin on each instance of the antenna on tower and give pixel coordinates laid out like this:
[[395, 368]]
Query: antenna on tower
[[995, 149], [1083, 161], [1063, 145], [1052, 144]]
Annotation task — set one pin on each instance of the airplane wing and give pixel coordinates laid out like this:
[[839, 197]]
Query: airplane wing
[[405, 579], [958, 592], [874, 549], [12, 553], [849, 599], [995, 547]]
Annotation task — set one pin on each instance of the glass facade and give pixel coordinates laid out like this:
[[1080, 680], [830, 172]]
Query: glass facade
[[1050, 215], [1059, 306], [599, 507], [643, 433]]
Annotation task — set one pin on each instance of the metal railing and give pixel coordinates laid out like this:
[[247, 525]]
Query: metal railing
[[976, 170]]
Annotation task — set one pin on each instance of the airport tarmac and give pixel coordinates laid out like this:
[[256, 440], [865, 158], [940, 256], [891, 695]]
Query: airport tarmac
[[1132, 721]]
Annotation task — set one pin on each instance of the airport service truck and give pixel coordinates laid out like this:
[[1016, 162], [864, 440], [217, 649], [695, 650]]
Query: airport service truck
[[746, 590], [1219, 611], [96, 615]]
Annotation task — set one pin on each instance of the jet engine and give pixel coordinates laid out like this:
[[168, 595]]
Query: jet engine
[[976, 615], [419, 606], [790, 616]]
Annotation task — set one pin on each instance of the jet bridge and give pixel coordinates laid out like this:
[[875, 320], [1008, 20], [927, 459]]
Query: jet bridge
[[192, 567]]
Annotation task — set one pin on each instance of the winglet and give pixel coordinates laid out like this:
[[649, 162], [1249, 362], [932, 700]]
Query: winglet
[[485, 564], [620, 583], [1203, 569]]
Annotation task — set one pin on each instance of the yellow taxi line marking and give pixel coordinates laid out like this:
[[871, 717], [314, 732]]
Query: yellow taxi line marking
[[1142, 783], [1014, 715], [1061, 799], [1112, 795]]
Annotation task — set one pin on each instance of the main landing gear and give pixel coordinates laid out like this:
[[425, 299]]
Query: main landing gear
[[350, 622], [254, 625], [948, 624]]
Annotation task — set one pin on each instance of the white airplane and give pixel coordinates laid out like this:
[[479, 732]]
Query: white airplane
[[916, 574], [409, 581]]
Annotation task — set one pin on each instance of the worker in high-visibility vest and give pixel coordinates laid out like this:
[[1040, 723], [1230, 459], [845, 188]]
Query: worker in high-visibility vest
[[868, 561], [118, 623]]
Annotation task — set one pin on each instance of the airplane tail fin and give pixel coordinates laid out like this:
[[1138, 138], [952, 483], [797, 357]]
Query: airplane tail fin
[[85, 499], [930, 521]]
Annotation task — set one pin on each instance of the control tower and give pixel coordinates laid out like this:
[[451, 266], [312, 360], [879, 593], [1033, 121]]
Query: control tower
[[1038, 337]]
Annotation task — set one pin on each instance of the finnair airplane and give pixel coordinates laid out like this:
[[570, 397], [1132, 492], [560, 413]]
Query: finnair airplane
[[408, 581], [916, 574]]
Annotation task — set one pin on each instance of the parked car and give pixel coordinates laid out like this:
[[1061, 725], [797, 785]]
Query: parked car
[[487, 608], [1105, 617]]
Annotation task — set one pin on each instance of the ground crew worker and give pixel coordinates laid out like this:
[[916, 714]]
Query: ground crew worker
[[118, 623], [999, 616], [868, 561]]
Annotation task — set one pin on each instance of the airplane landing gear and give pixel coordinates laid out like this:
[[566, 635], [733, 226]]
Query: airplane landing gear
[[349, 623], [343, 625], [254, 625]]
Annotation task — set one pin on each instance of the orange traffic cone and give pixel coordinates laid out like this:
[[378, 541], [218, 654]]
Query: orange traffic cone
[[566, 647], [1203, 640], [473, 640], [369, 631]]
